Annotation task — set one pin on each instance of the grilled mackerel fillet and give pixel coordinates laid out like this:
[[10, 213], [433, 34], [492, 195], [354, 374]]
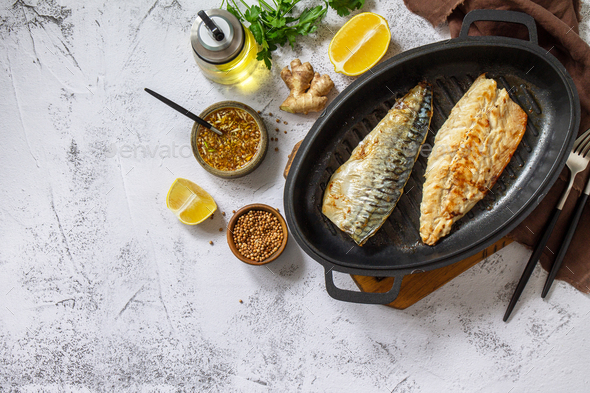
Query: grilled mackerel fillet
[[363, 192], [471, 150]]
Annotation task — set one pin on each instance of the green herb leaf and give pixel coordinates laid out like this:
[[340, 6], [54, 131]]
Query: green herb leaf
[[234, 11], [278, 22], [309, 18], [252, 14], [258, 33], [312, 15], [264, 55], [343, 7], [285, 6]]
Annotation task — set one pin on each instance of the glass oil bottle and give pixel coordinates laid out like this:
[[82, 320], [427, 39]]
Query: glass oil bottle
[[223, 48]]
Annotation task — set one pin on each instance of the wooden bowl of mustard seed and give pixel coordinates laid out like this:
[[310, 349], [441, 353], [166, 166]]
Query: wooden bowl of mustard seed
[[257, 234], [240, 149]]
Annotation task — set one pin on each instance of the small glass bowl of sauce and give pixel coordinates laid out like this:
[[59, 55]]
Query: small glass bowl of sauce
[[240, 149]]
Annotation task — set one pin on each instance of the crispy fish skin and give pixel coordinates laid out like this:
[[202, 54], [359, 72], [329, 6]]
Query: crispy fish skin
[[471, 150], [363, 192]]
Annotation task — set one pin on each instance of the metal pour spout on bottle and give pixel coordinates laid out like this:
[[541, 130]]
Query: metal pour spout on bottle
[[215, 31], [223, 48]]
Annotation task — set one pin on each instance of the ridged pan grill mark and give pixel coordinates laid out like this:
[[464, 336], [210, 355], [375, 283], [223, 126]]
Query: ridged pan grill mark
[[525, 144], [409, 200], [364, 127], [380, 112], [419, 169], [531, 99], [391, 103], [518, 158], [430, 142], [395, 223], [406, 229], [331, 227], [531, 127], [458, 87], [347, 146], [358, 134], [378, 239], [487, 203], [511, 92], [509, 171], [507, 86], [378, 115], [370, 121], [390, 233], [534, 106], [445, 92], [417, 174]]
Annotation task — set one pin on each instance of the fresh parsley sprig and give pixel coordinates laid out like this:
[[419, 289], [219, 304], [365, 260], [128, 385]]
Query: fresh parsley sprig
[[275, 25], [343, 7]]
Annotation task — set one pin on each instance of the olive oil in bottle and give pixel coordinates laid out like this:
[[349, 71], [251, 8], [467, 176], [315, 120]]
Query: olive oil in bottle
[[223, 48]]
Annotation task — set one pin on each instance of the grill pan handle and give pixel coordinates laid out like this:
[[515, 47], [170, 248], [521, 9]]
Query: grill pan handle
[[362, 297], [500, 16]]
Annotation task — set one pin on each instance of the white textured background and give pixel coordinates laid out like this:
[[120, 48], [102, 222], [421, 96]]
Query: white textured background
[[102, 289]]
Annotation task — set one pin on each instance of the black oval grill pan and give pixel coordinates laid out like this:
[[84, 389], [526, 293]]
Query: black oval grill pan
[[534, 79]]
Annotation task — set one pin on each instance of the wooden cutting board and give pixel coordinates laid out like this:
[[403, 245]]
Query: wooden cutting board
[[418, 285]]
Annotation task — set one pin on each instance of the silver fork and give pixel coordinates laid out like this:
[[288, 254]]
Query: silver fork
[[576, 162]]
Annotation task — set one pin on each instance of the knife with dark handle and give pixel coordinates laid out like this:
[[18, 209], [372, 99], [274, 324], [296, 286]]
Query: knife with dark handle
[[530, 266]]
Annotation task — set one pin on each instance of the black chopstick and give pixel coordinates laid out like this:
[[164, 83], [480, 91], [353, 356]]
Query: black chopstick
[[185, 112], [566, 243], [530, 266]]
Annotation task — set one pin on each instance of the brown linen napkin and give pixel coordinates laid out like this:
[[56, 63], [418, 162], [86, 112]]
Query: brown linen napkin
[[557, 23]]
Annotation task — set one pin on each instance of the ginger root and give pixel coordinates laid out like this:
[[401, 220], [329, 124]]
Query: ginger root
[[308, 89]]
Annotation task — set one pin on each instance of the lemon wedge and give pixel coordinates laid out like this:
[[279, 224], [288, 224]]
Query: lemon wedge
[[191, 204], [359, 44]]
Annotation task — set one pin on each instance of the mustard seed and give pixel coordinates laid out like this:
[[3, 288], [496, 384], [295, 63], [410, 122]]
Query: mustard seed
[[257, 235]]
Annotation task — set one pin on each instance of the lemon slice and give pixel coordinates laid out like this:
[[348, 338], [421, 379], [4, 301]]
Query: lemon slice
[[190, 203], [359, 44]]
